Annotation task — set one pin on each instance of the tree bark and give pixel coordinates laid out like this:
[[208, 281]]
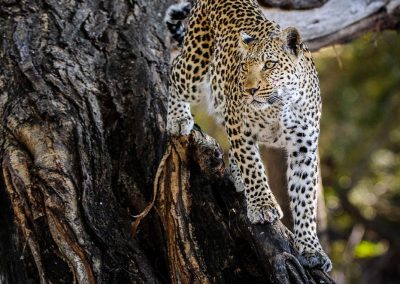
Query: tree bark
[[83, 105], [337, 21], [293, 4], [209, 238]]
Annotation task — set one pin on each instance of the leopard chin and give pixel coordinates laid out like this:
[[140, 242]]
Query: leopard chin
[[264, 103], [258, 105]]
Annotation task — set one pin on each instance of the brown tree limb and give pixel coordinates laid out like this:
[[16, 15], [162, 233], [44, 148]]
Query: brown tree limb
[[271, 243], [339, 21], [293, 4]]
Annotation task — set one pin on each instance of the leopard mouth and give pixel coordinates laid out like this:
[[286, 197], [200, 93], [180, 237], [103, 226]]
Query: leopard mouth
[[256, 100], [259, 103]]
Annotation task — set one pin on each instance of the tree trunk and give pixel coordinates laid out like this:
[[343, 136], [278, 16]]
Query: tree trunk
[[83, 105], [83, 96]]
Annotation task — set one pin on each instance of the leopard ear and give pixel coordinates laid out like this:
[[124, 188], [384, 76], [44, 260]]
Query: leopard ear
[[291, 41], [245, 41]]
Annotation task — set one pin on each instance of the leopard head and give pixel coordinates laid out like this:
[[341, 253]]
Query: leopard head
[[269, 69]]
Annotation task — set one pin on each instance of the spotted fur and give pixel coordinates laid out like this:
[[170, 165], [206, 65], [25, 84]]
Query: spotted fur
[[262, 84], [174, 19]]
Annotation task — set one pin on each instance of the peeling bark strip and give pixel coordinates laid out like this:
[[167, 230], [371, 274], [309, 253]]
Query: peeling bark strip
[[174, 206], [52, 194]]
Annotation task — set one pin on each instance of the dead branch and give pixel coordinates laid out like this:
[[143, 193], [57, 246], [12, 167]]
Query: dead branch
[[271, 243], [338, 21], [293, 4]]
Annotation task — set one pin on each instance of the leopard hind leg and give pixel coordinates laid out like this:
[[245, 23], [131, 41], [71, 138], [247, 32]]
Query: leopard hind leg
[[189, 80]]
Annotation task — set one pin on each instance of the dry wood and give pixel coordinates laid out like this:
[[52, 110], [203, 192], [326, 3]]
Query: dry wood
[[271, 243], [293, 4], [174, 206], [339, 21]]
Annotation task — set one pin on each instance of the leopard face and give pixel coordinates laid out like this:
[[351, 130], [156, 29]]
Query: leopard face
[[268, 70]]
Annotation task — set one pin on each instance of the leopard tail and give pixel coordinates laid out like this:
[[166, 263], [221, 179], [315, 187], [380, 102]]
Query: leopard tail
[[174, 17]]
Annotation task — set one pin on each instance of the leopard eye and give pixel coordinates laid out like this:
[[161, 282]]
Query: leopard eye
[[243, 66], [269, 65]]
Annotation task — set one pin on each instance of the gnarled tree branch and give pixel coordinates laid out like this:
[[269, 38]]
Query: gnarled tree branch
[[271, 243], [293, 4], [338, 21]]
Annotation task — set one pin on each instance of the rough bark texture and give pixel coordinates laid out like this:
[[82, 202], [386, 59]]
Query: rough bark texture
[[82, 106], [209, 238], [83, 98]]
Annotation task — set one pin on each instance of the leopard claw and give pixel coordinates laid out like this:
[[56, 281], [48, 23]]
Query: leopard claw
[[181, 126], [316, 259], [268, 213]]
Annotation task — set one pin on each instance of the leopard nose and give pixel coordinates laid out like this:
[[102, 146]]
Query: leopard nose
[[252, 91]]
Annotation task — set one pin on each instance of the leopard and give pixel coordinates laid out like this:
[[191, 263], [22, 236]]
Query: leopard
[[262, 86]]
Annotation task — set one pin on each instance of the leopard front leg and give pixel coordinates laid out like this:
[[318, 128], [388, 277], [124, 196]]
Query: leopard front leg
[[261, 203], [183, 90], [179, 119], [188, 79], [303, 177]]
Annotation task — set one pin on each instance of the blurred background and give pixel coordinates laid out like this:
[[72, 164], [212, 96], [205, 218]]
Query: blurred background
[[360, 156]]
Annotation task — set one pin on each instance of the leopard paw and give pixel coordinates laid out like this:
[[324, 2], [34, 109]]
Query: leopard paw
[[180, 126], [264, 213], [234, 177], [316, 259], [239, 186]]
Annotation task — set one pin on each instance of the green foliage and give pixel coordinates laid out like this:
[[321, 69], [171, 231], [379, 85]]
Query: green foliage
[[367, 249], [360, 144]]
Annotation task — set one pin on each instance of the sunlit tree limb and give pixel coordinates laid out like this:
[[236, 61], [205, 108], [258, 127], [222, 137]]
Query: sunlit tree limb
[[339, 21], [293, 4]]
